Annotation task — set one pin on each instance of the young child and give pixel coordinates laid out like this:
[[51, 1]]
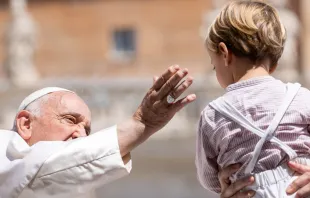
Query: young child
[[259, 122]]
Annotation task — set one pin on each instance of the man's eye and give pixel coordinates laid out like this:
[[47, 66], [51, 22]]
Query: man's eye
[[70, 120]]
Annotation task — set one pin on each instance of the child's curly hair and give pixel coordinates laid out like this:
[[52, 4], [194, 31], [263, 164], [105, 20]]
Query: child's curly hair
[[249, 28]]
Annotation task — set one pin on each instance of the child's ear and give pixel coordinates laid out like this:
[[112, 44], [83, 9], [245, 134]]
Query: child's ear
[[226, 53], [272, 68]]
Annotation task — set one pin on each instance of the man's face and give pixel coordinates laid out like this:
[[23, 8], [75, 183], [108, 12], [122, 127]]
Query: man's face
[[63, 116]]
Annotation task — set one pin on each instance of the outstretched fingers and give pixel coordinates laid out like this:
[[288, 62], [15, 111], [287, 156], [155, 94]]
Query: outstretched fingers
[[165, 76], [171, 83], [177, 106]]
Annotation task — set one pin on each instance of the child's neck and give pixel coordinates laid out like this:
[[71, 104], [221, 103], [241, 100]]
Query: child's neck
[[242, 71], [252, 73]]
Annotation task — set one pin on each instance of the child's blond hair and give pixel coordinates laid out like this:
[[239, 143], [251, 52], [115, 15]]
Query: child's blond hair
[[249, 28]]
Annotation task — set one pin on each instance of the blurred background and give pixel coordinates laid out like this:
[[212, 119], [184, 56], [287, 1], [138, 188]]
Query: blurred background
[[108, 52]]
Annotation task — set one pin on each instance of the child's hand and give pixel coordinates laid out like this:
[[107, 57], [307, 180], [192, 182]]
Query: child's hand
[[234, 190], [301, 185]]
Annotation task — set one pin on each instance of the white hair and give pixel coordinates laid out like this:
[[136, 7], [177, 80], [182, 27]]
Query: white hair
[[35, 108]]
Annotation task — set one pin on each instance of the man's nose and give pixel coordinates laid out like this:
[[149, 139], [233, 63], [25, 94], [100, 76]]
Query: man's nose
[[79, 132]]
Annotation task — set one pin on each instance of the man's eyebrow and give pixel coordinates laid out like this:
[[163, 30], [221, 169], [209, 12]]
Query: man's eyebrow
[[72, 113]]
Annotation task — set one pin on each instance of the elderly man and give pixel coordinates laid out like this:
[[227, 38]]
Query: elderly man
[[49, 153]]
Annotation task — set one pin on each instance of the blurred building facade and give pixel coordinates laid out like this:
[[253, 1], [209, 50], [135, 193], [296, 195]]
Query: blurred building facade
[[105, 38], [108, 50], [118, 38]]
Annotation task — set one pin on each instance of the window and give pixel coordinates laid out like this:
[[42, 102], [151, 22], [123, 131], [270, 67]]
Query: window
[[124, 44], [124, 40]]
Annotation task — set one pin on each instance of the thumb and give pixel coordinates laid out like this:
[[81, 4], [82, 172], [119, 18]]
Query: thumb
[[298, 167], [155, 78]]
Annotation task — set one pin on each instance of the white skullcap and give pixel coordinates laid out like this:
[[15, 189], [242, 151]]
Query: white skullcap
[[38, 94]]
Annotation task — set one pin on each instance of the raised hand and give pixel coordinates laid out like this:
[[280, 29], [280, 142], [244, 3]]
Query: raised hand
[[160, 103]]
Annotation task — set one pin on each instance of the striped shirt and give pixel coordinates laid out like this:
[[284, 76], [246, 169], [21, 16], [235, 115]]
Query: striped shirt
[[222, 142]]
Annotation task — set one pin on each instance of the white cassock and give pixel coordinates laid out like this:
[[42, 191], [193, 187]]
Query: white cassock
[[59, 169]]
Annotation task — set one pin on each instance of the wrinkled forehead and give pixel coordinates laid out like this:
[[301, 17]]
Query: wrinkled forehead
[[67, 102]]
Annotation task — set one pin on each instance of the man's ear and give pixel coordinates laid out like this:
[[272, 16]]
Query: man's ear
[[23, 124], [225, 53]]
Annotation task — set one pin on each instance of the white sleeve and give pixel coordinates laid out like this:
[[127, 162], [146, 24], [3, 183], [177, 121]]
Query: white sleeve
[[84, 164]]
